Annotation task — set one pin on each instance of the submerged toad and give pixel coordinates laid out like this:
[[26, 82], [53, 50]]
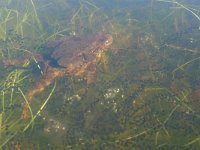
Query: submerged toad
[[74, 56]]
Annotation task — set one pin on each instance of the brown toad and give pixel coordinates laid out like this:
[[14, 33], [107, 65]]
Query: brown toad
[[74, 56]]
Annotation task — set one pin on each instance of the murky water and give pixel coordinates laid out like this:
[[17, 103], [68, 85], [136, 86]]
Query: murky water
[[144, 89]]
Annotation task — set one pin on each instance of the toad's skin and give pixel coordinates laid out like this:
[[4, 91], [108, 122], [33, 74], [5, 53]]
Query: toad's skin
[[73, 56]]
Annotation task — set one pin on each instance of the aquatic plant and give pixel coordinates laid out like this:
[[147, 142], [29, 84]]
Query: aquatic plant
[[148, 106], [15, 41], [191, 10], [10, 103]]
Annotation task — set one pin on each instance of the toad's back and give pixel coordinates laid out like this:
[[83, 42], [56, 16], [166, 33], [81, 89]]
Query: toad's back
[[81, 49]]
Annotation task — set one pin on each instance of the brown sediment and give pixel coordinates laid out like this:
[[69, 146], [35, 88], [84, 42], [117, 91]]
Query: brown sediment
[[194, 100]]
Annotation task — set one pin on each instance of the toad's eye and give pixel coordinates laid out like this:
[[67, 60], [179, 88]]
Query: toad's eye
[[107, 42]]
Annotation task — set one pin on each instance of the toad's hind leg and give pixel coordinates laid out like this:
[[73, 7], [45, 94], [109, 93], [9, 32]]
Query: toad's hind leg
[[23, 59], [47, 79], [39, 87]]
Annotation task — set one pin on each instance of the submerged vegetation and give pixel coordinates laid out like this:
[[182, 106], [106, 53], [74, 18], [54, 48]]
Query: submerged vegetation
[[146, 91]]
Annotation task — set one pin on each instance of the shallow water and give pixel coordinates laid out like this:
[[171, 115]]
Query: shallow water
[[146, 89]]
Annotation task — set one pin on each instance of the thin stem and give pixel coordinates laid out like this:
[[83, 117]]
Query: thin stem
[[183, 65], [182, 6], [19, 89], [41, 108], [3, 100], [36, 15]]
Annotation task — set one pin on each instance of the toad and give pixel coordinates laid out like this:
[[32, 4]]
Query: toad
[[72, 56]]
